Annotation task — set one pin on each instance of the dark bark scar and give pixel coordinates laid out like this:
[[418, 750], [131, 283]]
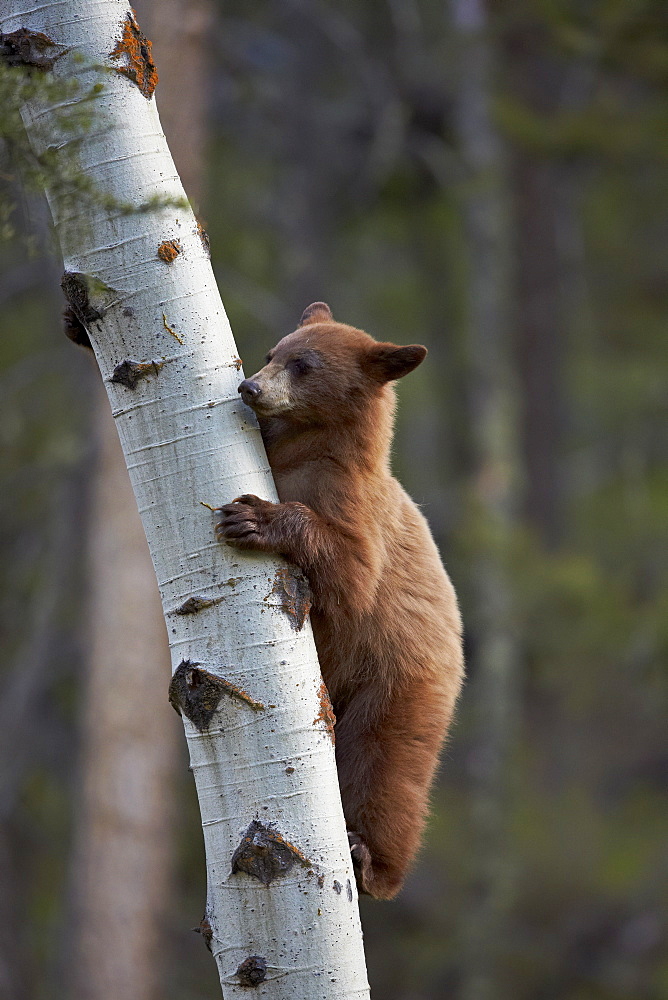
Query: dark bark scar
[[252, 971], [196, 693], [78, 289], [196, 603], [205, 930], [265, 854], [292, 589], [29, 48], [130, 372]]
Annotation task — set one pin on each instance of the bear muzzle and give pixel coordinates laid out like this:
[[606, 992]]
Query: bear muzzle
[[249, 390]]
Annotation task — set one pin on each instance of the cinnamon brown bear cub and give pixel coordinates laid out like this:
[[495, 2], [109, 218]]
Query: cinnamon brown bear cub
[[384, 612]]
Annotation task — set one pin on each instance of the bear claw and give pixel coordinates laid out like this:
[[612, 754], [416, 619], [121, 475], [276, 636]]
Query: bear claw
[[243, 522], [361, 858]]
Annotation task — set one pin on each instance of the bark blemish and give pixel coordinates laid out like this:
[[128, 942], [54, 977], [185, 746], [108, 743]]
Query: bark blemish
[[252, 971], [349, 890], [28, 48], [169, 250], [265, 854], [169, 329], [205, 930], [196, 693], [204, 237], [337, 888], [195, 604], [130, 372], [135, 47], [326, 713], [291, 587], [78, 288]]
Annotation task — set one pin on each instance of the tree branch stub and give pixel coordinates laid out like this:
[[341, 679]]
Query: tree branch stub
[[252, 971], [265, 854]]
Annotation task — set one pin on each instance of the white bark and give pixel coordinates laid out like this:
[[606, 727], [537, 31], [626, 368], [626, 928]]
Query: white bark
[[188, 439], [125, 832]]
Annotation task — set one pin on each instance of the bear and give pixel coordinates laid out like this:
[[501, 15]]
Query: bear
[[384, 613]]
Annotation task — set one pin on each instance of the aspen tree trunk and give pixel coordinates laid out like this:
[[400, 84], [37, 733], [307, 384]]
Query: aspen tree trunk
[[492, 420], [281, 907], [122, 876]]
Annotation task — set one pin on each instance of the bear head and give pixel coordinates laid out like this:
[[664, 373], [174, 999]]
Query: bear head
[[326, 371]]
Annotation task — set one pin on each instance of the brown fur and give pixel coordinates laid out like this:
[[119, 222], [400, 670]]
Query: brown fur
[[384, 613]]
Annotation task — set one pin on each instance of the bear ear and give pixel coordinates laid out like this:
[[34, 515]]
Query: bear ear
[[317, 312], [386, 362]]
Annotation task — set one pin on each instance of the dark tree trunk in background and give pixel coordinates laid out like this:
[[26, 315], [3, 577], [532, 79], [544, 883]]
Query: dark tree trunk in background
[[122, 875], [13, 963], [493, 694], [29, 738], [180, 31], [538, 179], [305, 201], [540, 341]]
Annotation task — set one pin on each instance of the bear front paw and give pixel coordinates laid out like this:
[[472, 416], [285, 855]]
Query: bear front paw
[[244, 523]]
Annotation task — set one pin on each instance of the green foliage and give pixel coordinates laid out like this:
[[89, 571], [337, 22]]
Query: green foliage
[[58, 166], [75, 108]]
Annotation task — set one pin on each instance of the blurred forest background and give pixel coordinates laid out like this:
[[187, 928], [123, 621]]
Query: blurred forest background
[[491, 182]]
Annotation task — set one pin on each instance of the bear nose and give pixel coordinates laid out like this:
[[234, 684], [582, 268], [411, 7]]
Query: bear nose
[[249, 390]]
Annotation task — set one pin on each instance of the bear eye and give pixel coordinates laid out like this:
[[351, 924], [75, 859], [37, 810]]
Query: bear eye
[[304, 363], [298, 366], [269, 357]]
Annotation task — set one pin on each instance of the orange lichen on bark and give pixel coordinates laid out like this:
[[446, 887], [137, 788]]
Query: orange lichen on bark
[[326, 713], [136, 48], [237, 692], [169, 250], [204, 237], [279, 839]]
